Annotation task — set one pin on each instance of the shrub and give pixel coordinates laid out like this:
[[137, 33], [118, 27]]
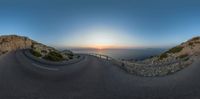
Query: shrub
[[122, 64], [70, 55], [191, 43], [35, 53], [44, 51], [32, 46], [195, 38], [183, 56], [4, 52], [197, 42], [175, 49], [186, 59], [162, 56], [54, 56]]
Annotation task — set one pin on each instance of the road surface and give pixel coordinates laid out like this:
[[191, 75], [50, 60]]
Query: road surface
[[91, 78]]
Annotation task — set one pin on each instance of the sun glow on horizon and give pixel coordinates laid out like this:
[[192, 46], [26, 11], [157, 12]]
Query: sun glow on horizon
[[102, 38]]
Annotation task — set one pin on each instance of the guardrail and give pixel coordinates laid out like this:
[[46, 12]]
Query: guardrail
[[108, 58], [101, 56]]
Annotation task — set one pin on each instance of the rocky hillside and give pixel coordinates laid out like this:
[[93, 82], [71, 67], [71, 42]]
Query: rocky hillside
[[189, 48], [171, 61], [13, 42]]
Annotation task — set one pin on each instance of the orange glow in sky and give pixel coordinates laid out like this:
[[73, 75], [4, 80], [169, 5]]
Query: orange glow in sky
[[102, 38]]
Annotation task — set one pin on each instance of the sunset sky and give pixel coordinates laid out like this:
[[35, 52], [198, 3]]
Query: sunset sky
[[102, 23]]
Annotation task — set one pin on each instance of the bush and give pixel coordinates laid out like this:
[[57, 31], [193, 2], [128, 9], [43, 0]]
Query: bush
[[35, 53], [186, 59], [197, 42], [191, 44], [183, 56], [32, 46], [70, 55], [195, 38], [4, 52], [175, 49], [162, 56], [54, 56], [44, 51]]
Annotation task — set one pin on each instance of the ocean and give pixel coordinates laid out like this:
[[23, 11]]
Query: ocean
[[128, 54]]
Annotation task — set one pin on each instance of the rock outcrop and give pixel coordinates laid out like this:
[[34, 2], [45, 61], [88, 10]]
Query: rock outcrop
[[12, 42]]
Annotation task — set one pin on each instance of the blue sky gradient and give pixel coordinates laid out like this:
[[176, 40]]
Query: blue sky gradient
[[139, 23]]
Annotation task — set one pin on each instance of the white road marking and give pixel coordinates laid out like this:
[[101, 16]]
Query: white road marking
[[43, 67]]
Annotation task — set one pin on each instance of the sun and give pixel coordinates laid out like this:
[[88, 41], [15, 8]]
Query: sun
[[99, 48], [101, 38]]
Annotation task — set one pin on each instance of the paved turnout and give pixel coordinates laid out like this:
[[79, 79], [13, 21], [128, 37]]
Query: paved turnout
[[91, 78]]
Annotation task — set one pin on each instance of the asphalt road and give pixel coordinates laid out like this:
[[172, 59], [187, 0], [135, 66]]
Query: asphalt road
[[91, 78]]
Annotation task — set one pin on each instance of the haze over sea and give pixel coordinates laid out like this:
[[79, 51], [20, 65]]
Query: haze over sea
[[135, 54]]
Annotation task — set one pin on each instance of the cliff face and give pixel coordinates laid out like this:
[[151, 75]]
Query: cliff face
[[13, 42]]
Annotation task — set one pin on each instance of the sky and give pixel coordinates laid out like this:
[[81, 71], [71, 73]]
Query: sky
[[102, 23]]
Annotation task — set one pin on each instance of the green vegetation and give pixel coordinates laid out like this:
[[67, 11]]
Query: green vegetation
[[175, 49], [162, 56], [196, 38], [4, 52], [32, 46], [70, 55], [186, 59], [197, 42], [191, 44], [183, 56], [35, 53], [44, 51], [78, 56], [172, 50], [54, 56]]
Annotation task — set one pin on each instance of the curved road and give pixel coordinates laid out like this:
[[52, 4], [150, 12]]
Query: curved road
[[91, 78]]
